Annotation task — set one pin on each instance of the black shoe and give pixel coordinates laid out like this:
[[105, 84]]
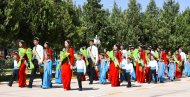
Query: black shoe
[[9, 84], [29, 86], [80, 89], [90, 83], [128, 86]]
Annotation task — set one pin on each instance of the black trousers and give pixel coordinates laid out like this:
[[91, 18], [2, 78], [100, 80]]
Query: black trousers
[[181, 68], [79, 78], [14, 76], [128, 78], [152, 72], [33, 72], [91, 71], [123, 75]]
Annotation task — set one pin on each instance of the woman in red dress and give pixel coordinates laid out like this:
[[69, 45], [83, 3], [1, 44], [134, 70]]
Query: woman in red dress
[[22, 68], [114, 70], [142, 55], [48, 50], [178, 72], [67, 65]]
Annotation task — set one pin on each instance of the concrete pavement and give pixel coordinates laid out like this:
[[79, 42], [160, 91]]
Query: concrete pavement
[[179, 88]]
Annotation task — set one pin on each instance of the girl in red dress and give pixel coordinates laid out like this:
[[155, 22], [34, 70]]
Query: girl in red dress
[[178, 72], [114, 70], [48, 50], [22, 68], [66, 66], [142, 65]]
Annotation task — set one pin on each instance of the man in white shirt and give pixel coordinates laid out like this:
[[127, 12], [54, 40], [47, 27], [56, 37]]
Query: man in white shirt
[[38, 56], [184, 58], [92, 53]]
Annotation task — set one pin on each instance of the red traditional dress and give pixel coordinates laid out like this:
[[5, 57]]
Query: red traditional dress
[[114, 71], [83, 76], [66, 69], [141, 68], [50, 52], [22, 73], [178, 72]]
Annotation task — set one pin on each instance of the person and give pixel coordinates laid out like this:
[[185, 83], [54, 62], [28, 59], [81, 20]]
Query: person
[[66, 67], [142, 61], [172, 69], [22, 66], [48, 50], [123, 69], [81, 70], [177, 58], [129, 70], [47, 76], [38, 55], [153, 65], [161, 69], [92, 53], [114, 66], [187, 67], [57, 72], [15, 70], [103, 67], [183, 60]]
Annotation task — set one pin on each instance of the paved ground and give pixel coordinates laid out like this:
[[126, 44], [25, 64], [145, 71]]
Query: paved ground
[[179, 88]]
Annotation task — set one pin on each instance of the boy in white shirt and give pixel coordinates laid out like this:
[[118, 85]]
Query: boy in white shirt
[[129, 70], [15, 70], [123, 70], [153, 64], [81, 69]]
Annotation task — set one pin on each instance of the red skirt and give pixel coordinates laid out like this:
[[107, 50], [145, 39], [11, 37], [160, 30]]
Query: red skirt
[[22, 75], [66, 76], [114, 75], [178, 72], [137, 72], [141, 75], [147, 70]]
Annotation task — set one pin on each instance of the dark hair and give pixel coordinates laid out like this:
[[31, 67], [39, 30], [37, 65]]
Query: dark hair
[[68, 41], [23, 43], [47, 43], [36, 38], [91, 40], [117, 45]]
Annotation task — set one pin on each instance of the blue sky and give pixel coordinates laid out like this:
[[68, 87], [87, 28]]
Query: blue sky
[[123, 3]]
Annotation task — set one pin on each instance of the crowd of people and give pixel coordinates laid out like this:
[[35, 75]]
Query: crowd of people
[[115, 66]]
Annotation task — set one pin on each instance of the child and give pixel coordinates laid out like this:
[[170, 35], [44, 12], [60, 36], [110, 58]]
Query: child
[[123, 70], [103, 65], [153, 69], [81, 69], [47, 72], [161, 69], [58, 72], [172, 69], [15, 70], [187, 67], [129, 70]]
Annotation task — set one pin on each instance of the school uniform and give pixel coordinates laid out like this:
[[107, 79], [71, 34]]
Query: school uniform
[[15, 73], [129, 71], [153, 69], [81, 69]]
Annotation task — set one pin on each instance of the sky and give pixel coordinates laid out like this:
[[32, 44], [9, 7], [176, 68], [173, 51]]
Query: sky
[[124, 3]]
